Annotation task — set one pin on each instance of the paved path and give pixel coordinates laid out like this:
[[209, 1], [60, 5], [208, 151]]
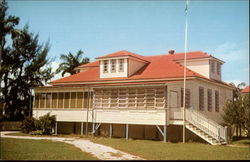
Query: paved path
[[100, 151]]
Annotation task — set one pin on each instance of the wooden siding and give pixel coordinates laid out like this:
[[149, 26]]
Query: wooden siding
[[146, 117], [67, 115]]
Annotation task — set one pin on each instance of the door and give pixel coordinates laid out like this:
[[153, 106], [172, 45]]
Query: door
[[175, 111], [173, 99]]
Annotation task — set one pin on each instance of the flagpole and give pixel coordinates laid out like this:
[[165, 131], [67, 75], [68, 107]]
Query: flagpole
[[185, 63]]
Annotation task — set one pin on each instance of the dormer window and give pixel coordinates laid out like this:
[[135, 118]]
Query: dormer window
[[105, 66], [113, 66], [218, 68], [121, 65]]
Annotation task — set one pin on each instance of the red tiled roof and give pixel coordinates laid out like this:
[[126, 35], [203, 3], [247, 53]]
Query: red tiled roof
[[246, 90], [91, 64], [124, 53], [159, 67]]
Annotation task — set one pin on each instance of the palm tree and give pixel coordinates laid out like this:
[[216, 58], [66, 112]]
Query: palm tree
[[237, 90], [236, 109], [70, 62]]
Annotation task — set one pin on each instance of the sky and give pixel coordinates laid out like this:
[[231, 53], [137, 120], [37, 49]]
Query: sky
[[219, 27]]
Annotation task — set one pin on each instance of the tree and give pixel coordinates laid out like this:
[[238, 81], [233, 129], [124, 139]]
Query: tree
[[237, 90], [237, 111], [70, 62], [24, 65], [6, 27]]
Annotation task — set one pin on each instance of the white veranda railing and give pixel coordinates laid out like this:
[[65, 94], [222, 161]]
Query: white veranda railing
[[205, 124]]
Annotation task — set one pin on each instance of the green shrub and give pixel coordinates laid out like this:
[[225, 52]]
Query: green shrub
[[46, 123], [37, 132], [28, 125]]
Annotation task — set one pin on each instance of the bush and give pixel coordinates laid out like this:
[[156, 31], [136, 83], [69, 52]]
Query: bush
[[37, 132], [46, 123], [28, 125]]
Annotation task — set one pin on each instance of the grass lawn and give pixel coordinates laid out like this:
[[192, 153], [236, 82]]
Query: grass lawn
[[156, 150], [242, 141], [22, 149]]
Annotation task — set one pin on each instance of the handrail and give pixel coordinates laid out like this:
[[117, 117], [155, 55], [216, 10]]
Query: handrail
[[205, 124]]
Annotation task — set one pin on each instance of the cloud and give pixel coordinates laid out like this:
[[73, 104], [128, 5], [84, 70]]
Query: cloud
[[236, 82], [231, 52]]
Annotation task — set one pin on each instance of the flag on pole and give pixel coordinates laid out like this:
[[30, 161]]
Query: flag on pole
[[186, 8]]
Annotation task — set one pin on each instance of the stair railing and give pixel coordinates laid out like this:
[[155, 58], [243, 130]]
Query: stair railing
[[205, 124]]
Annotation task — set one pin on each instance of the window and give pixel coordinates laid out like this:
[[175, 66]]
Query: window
[[121, 65], [79, 100], [209, 100], [60, 99], [113, 66], [218, 68], [105, 66], [85, 100], [130, 98], [216, 101], [66, 99], [73, 100], [42, 100], [187, 100], [54, 100], [201, 98], [37, 100], [212, 66]]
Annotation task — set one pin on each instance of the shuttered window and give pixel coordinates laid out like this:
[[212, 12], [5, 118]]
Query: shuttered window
[[187, 100], [218, 68], [209, 100], [212, 66], [129, 98], [216, 101], [201, 98]]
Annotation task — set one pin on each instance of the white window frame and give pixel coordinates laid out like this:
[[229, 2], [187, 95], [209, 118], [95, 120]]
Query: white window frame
[[113, 65], [105, 66], [121, 65]]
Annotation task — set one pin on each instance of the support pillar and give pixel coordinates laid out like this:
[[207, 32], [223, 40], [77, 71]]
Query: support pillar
[[110, 130], [93, 129], [127, 131], [81, 128], [165, 133], [56, 128], [226, 135]]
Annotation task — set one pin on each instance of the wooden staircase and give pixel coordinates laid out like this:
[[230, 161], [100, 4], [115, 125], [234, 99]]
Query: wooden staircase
[[204, 135], [205, 128]]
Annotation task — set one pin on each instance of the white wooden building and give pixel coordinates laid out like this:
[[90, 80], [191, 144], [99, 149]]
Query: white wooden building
[[128, 95]]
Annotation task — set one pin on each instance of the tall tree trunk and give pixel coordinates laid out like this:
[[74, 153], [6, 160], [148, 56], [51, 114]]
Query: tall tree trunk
[[237, 131], [240, 130]]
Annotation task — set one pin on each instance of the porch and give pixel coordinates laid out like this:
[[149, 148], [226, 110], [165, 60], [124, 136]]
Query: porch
[[142, 105]]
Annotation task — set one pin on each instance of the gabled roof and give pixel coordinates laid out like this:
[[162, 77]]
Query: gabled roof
[[158, 67], [246, 90]]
